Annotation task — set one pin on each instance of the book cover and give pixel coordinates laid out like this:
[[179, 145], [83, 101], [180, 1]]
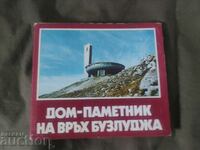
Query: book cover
[[99, 80]]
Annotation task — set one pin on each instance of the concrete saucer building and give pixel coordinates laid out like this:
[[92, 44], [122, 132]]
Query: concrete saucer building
[[99, 68]]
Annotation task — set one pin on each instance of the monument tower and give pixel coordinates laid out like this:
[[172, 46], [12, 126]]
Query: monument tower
[[87, 56]]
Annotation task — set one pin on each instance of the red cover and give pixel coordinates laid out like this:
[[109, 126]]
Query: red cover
[[122, 92]]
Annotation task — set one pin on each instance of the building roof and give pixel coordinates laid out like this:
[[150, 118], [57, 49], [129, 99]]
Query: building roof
[[104, 66]]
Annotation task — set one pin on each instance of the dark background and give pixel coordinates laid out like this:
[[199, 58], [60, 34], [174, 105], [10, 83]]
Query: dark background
[[181, 20]]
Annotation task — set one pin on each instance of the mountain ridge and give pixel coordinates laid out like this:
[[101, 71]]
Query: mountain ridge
[[138, 80]]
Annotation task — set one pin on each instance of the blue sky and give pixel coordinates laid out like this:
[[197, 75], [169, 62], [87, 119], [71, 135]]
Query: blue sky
[[61, 52]]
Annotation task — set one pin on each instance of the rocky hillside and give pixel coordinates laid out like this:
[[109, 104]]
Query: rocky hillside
[[139, 80]]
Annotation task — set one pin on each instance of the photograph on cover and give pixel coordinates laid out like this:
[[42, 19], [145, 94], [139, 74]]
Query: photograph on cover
[[97, 63]]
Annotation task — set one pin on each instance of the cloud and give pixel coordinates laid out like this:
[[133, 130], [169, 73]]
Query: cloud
[[55, 52], [49, 84]]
